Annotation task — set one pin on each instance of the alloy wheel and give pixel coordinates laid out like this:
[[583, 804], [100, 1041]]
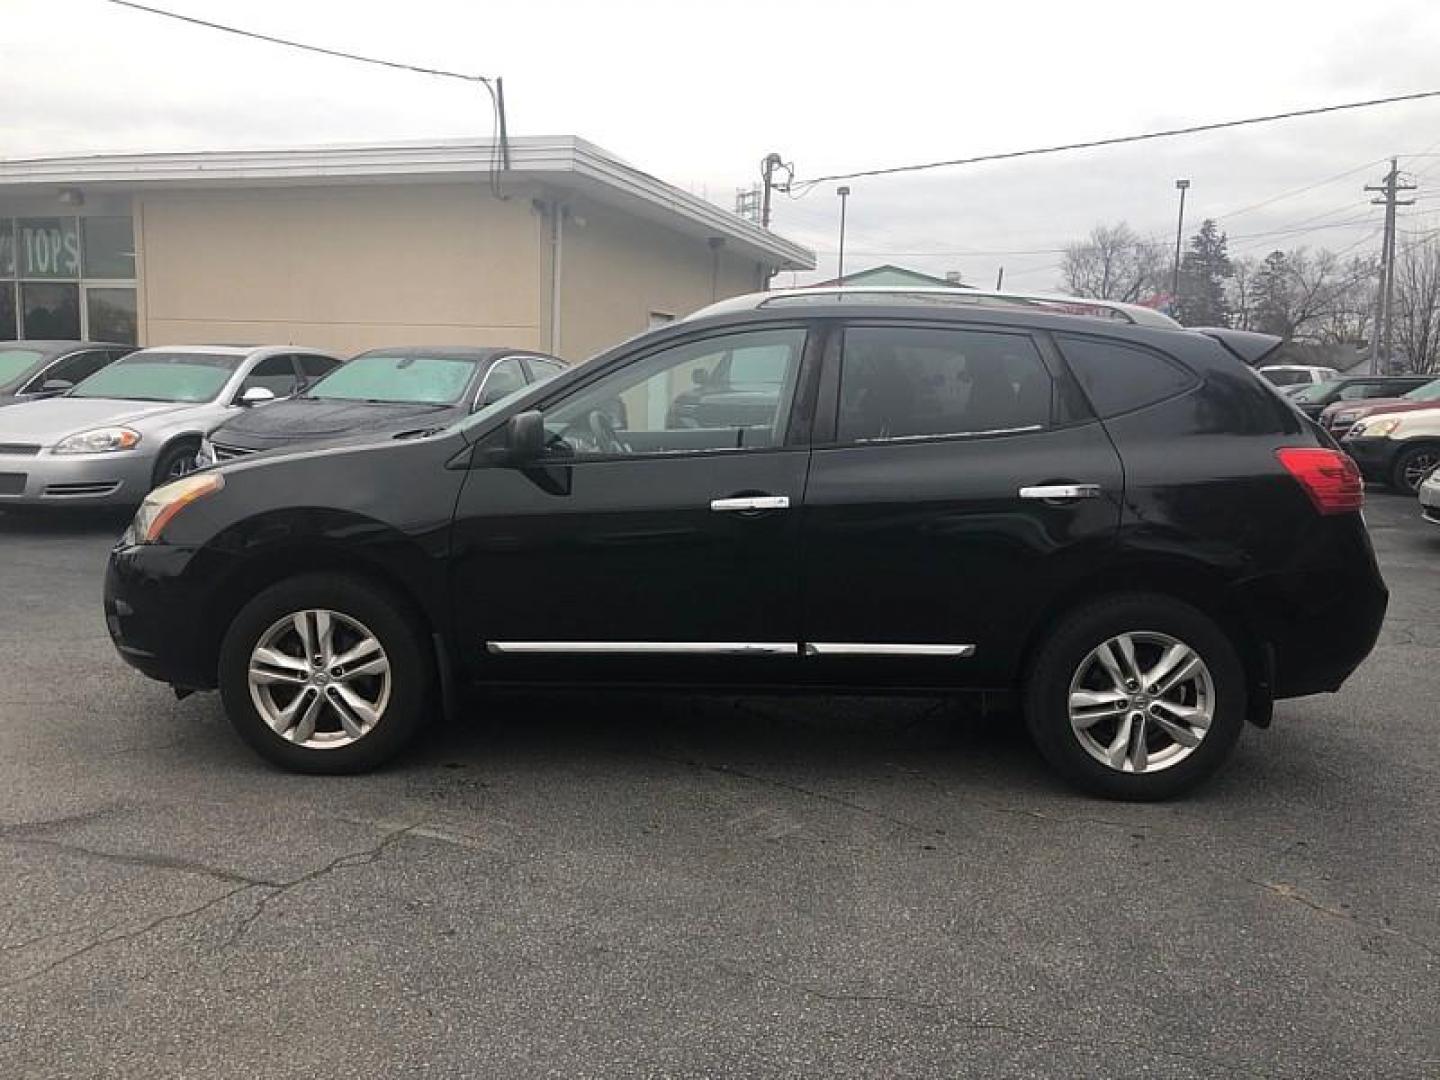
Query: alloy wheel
[[1418, 466], [319, 679], [1141, 702]]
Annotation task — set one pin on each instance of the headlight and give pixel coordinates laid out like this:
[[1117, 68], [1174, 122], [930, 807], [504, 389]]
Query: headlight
[[206, 457], [100, 441], [162, 504], [1378, 429]]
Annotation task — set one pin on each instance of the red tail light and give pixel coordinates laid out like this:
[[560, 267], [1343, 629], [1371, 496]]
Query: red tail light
[[1329, 477]]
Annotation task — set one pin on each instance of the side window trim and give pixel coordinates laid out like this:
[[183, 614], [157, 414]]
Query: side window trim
[[36, 381], [485, 380], [828, 418]]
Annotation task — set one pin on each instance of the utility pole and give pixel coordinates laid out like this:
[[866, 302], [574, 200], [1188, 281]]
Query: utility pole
[[1000, 279], [500, 119], [772, 162], [1385, 292], [1182, 185], [844, 192]]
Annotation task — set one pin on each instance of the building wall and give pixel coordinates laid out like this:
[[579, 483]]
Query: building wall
[[343, 267], [616, 270]]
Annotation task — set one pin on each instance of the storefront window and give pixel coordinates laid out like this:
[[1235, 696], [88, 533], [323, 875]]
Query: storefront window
[[68, 278], [109, 247], [9, 328], [112, 315], [50, 310]]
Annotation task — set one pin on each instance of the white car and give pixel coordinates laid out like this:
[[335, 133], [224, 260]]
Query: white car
[[1400, 449], [1430, 497], [1297, 374]]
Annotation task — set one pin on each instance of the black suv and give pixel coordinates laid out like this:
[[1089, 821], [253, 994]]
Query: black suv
[[1120, 526]]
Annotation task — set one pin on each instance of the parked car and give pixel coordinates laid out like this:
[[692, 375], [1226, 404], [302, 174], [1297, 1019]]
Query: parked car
[[138, 421], [31, 370], [1430, 497], [1297, 374], [1338, 417], [384, 390], [1396, 449], [1117, 526], [1312, 400]]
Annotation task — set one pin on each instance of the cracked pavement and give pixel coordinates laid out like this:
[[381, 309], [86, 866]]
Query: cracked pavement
[[587, 885]]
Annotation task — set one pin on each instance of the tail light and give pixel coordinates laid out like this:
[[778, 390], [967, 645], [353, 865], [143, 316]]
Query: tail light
[[1329, 477]]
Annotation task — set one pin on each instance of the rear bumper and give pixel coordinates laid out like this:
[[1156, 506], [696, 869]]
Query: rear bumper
[[1376, 457], [118, 479], [1322, 618]]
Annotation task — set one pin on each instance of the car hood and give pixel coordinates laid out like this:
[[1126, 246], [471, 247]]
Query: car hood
[[46, 421], [1379, 405], [309, 419]]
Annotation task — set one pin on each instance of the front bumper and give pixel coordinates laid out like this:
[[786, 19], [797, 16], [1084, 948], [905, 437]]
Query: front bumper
[[1430, 498], [155, 615], [1375, 456], [121, 478]]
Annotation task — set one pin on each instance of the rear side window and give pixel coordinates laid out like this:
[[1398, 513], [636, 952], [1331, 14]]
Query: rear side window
[[312, 366], [915, 382], [1122, 378]]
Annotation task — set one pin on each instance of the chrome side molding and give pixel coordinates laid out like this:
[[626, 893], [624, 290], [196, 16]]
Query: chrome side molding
[[1061, 491], [621, 648], [725, 648], [855, 648]]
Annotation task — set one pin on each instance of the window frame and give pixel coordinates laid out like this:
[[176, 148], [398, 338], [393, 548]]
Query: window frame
[[827, 419], [797, 424], [295, 373], [36, 383], [495, 362]]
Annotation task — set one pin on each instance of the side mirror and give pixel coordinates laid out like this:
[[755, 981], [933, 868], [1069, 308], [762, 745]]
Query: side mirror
[[256, 395], [524, 438], [56, 386]]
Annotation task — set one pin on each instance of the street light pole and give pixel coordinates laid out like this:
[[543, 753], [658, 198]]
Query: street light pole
[[844, 192], [1179, 235]]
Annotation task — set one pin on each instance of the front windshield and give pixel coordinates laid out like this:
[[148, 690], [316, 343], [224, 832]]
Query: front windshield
[[402, 380], [1429, 392], [15, 364], [161, 376], [1312, 393]]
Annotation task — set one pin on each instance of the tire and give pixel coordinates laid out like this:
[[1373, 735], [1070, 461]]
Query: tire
[[397, 699], [1411, 467], [174, 462], [1068, 660]]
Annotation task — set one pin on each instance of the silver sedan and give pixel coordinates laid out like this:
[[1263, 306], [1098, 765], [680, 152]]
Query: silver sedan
[[139, 421]]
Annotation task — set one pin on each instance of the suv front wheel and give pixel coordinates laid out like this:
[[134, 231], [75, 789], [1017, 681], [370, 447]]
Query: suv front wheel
[[324, 673], [1136, 697]]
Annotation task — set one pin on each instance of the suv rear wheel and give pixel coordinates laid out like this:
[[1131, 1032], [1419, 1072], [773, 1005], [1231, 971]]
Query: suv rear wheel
[[1136, 697], [325, 674]]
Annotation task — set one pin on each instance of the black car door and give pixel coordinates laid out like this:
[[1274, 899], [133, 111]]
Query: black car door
[[957, 483], [640, 548]]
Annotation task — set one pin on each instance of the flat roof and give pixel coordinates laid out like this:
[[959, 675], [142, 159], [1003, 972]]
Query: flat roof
[[562, 162]]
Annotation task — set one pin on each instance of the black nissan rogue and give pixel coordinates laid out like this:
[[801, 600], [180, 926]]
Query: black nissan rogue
[[1111, 519]]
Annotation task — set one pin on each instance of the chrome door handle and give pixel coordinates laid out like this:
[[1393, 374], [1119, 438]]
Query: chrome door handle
[[752, 502], [1061, 491]]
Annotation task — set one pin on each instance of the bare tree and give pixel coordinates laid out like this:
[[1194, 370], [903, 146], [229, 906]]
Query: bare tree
[[1242, 292], [1416, 312], [1113, 263], [1300, 295]]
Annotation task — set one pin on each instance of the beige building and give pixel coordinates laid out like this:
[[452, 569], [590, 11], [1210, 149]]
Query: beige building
[[568, 250]]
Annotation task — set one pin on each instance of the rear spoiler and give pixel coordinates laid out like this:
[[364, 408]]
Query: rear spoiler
[[1248, 347]]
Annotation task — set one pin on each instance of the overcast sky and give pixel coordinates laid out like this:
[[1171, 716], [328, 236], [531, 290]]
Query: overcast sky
[[698, 93]]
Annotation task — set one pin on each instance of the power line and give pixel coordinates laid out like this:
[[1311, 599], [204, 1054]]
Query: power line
[[378, 61], [1192, 129]]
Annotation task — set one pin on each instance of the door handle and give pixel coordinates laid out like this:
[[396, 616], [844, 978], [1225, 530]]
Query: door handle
[[1061, 491], [752, 502]]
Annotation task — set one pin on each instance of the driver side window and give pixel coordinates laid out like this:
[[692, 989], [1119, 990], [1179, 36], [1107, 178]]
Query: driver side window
[[685, 399]]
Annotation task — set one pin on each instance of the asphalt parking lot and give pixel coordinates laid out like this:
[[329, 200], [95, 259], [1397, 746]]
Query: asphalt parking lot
[[585, 886]]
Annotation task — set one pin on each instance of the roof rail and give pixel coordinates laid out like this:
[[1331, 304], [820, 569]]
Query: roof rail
[[1135, 314]]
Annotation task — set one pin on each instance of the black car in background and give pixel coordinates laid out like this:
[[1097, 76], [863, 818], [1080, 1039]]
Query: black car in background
[[32, 370], [1119, 527], [384, 390], [1312, 399]]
